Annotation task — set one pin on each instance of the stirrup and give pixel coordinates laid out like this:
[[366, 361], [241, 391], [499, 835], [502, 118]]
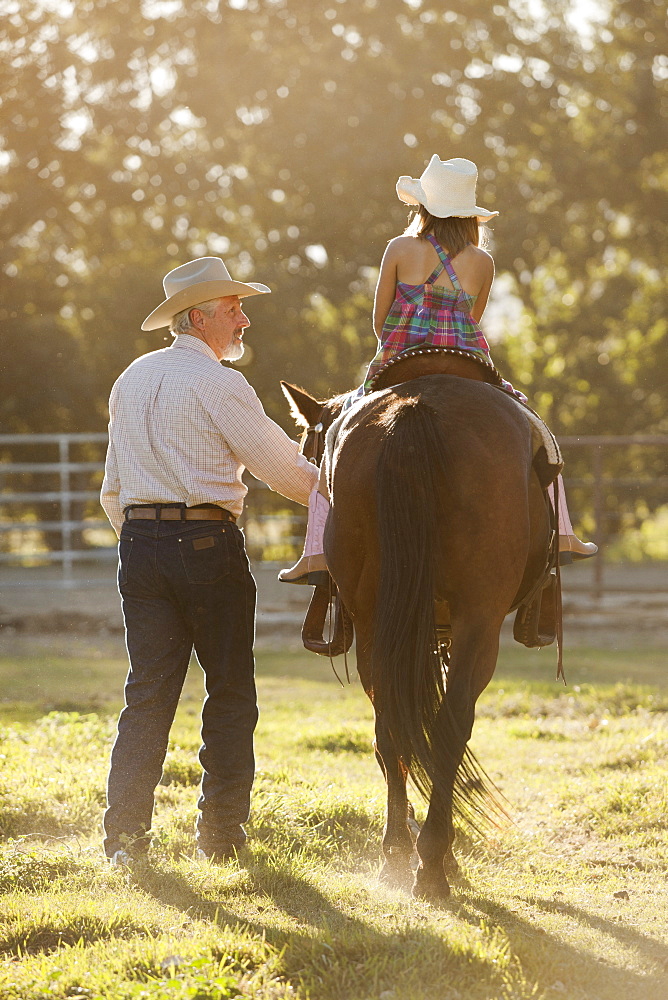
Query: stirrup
[[536, 622], [314, 623], [313, 578]]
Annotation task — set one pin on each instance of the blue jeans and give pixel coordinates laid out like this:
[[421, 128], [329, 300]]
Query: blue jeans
[[183, 585]]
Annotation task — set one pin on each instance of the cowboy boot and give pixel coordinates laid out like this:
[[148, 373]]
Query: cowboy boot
[[311, 567], [571, 548]]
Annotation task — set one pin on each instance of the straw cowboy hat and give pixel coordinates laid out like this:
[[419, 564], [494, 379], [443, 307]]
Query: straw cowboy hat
[[197, 281], [446, 189]]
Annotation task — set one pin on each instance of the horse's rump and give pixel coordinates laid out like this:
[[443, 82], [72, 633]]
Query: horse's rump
[[459, 453]]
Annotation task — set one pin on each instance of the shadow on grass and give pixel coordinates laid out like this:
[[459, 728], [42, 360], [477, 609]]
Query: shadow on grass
[[330, 953], [334, 953], [26, 713], [50, 934], [577, 970], [300, 664], [584, 664]]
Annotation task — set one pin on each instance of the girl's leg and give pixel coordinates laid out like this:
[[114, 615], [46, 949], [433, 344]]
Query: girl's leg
[[570, 546], [311, 567]]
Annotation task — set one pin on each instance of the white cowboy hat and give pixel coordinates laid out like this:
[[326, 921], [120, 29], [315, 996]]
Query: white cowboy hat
[[197, 281], [446, 189]]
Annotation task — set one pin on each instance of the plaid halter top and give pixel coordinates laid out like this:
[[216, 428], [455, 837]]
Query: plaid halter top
[[431, 315]]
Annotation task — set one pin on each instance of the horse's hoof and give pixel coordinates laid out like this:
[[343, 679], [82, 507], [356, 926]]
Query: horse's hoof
[[431, 888]]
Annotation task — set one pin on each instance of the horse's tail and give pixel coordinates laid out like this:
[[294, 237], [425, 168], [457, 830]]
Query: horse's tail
[[408, 670]]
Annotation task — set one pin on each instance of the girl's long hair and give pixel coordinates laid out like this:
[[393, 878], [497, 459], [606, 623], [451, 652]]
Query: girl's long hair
[[454, 234]]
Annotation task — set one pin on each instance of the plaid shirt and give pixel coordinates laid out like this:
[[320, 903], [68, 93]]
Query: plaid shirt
[[431, 315], [183, 427]]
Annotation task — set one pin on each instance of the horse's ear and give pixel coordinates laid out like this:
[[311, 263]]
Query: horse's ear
[[304, 408]]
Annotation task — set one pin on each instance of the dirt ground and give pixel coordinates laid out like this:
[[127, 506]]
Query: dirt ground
[[632, 609], [39, 601]]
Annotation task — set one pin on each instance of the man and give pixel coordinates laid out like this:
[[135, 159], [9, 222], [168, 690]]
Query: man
[[182, 428]]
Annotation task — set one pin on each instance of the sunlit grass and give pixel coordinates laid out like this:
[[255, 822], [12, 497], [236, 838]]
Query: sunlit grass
[[568, 899]]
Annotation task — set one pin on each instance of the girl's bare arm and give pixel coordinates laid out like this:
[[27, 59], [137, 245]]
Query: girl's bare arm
[[385, 289], [483, 294]]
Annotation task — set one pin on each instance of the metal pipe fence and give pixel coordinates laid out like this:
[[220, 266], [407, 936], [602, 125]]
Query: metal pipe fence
[[75, 529], [50, 512], [607, 490]]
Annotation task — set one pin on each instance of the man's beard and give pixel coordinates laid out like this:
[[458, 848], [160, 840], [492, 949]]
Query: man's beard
[[234, 351]]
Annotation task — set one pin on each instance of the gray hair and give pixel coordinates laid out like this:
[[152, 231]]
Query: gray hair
[[181, 322]]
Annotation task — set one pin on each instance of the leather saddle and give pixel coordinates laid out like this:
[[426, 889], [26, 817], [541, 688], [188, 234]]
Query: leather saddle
[[418, 361]]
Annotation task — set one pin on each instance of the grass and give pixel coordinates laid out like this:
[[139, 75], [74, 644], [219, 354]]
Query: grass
[[570, 900]]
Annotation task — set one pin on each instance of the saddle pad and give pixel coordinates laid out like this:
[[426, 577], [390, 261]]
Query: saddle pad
[[540, 433]]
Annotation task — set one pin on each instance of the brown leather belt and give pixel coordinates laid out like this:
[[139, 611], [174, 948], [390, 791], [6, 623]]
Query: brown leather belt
[[179, 514]]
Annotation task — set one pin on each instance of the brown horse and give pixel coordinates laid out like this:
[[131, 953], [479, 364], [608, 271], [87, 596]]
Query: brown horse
[[437, 514]]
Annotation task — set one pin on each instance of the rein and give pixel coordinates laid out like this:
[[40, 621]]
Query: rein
[[317, 430]]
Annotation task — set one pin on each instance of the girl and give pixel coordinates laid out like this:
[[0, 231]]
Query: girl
[[442, 309]]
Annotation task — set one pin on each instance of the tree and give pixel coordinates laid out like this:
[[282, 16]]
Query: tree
[[593, 342], [272, 132]]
